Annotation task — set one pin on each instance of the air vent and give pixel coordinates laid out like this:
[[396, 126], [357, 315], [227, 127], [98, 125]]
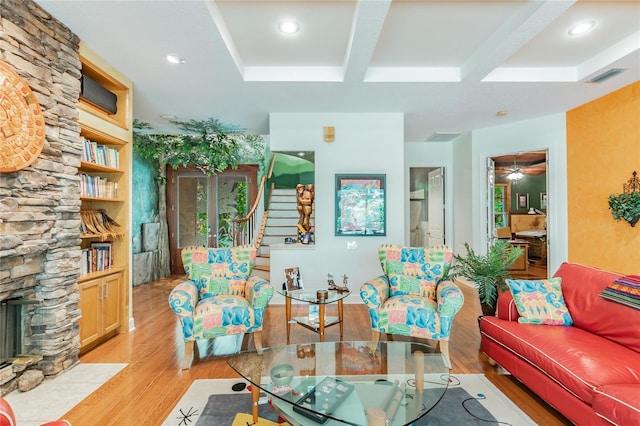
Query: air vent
[[442, 137], [606, 75]]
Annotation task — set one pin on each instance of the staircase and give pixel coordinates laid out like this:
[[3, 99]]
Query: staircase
[[282, 221]]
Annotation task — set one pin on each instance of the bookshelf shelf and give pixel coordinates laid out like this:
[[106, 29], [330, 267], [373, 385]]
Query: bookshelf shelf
[[100, 274], [93, 167]]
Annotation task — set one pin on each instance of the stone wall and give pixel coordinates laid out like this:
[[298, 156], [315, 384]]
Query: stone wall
[[40, 205]]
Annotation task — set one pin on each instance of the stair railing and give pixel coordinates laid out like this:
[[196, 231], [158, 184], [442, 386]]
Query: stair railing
[[244, 227]]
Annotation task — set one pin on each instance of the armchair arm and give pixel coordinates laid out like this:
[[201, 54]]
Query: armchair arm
[[183, 300], [258, 292], [450, 301], [375, 291]]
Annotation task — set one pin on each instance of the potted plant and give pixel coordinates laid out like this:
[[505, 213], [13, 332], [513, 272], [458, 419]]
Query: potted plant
[[487, 271], [625, 206]]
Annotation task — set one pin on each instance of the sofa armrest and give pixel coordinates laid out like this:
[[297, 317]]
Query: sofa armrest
[[258, 291], [375, 291], [506, 307]]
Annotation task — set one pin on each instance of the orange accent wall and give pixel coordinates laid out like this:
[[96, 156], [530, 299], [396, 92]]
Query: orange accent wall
[[603, 150]]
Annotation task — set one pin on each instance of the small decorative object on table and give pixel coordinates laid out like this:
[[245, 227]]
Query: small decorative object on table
[[333, 286], [281, 376], [324, 398], [292, 279]]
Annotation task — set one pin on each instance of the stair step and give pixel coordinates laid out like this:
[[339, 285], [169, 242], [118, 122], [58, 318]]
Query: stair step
[[274, 222]]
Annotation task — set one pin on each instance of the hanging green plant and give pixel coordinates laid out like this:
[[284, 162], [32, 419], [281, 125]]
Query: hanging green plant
[[625, 206]]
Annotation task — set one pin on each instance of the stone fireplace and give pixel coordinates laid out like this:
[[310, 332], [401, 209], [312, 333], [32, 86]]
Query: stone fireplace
[[40, 205]]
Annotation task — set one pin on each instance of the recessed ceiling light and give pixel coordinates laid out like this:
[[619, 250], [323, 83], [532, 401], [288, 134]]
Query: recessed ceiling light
[[288, 27], [175, 59], [169, 117], [581, 28], [502, 113]]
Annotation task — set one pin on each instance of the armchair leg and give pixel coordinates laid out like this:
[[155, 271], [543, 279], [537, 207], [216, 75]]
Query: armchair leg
[[257, 340], [188, 354], [444, 350]]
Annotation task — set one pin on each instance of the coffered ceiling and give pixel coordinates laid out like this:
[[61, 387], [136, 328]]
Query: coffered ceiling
[[449, 66]]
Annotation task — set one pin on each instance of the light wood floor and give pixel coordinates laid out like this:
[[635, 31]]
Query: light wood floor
[[149, 387]]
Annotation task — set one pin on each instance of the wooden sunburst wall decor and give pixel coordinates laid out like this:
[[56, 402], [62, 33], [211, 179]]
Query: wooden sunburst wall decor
[[22, 128]]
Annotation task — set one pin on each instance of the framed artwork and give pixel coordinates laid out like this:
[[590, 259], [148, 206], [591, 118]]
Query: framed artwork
[[360, 205], [522, 200], [292, 279], [543, 200]]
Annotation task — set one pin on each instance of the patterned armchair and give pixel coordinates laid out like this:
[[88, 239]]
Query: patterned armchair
[[221, 297], [411, 298]]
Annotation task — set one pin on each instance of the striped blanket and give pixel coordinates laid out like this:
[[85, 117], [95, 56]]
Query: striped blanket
[[624, 290]]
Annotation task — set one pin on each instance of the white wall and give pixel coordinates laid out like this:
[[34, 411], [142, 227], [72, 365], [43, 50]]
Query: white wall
[[364, 143], [537, 134], [430, 154], [462, 196]]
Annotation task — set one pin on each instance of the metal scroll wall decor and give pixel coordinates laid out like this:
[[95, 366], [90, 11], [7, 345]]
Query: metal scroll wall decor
[[22, 128]]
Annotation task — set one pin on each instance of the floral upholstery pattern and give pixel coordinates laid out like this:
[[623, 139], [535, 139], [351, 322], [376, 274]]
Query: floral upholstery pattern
[[221, 296], [411, 298]]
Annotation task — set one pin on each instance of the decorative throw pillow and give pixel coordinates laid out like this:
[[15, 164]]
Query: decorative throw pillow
[[625, 290], [540, 301]]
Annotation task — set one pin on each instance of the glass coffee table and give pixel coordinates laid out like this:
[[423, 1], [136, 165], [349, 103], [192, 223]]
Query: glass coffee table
[[315, 297], [354, 383]]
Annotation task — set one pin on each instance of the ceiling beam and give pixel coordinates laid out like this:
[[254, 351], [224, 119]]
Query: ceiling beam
[[511, 36], [368, 21]]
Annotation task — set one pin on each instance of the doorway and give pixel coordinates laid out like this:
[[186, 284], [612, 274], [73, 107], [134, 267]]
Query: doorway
[[201, 208], [518, 205], [426, 203]]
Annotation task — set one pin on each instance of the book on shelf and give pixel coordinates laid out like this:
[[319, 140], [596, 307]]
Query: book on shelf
[[97, 257], [100, 154], [99, 187]]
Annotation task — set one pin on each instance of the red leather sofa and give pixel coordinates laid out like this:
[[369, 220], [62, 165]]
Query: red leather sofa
[[590, 371]]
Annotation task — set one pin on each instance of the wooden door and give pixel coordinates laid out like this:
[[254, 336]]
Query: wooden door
[[111, 302], [200, 208], [89, 305]]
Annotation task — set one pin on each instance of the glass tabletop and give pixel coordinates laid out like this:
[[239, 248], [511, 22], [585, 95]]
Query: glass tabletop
[[315, 296], [342, 382]]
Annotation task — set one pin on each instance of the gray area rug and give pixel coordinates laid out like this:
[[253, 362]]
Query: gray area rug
[[222, 409]]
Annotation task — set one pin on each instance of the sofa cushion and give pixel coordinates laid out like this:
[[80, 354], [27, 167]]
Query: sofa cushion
[[581, 288], [222, 315], [574, 358], [410, 315], [540, 301], [618, 404], [427, 264], [406, 284], [209, 268]]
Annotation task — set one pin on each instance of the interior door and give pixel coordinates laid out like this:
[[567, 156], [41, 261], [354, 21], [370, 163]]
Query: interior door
[[436, 207], [491, 202], [201, 209]]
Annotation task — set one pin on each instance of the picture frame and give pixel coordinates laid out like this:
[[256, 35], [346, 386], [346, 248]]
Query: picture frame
[[543, 201], [292, 279], [360, 205], [522, 200]]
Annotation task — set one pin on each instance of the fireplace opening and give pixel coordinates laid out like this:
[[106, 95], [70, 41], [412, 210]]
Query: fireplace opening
[[12, 328]]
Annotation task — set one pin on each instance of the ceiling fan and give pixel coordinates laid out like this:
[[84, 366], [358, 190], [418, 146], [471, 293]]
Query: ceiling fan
[[514, 173]]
